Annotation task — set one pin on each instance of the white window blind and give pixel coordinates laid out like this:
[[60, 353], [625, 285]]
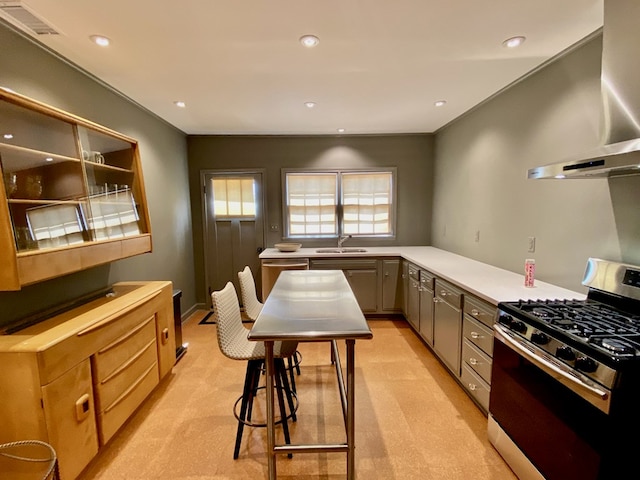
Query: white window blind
[[367, 203], [311, 203], [234, 197]]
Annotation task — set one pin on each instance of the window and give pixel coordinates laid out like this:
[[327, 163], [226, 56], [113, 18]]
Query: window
[[333, 203], [234, 197]]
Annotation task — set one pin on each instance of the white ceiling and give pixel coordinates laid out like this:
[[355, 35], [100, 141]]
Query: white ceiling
[[379, 67]]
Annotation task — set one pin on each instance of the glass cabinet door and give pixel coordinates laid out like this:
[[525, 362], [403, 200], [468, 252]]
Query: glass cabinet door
[[43, 179], [112, 209]]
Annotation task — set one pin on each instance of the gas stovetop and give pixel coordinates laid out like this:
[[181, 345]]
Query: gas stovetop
[[586, 324]]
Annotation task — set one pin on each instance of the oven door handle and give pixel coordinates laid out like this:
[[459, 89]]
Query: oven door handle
[[596, 396]]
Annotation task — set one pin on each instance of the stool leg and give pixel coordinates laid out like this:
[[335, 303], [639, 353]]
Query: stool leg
[[290, 368], [296, 357], [246, 396], [255, 381], [279, 364], [288, 390]]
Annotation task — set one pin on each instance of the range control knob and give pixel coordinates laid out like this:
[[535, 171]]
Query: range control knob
[[566, 353], [505, 319], [518, 326], [539, 338], [586, 364]]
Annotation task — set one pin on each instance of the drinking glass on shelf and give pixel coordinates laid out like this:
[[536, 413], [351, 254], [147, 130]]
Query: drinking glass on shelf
[[33, 187], [10, 183]]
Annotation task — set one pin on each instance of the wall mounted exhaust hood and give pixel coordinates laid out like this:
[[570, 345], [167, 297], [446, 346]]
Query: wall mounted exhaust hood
[[620, 153]]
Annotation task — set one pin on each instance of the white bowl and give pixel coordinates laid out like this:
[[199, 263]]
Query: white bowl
[[288, 247]]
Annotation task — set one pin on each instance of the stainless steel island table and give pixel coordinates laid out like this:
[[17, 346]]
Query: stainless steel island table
[[304, 306]]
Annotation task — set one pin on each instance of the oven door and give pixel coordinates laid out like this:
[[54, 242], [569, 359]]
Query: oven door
[[563, 435]]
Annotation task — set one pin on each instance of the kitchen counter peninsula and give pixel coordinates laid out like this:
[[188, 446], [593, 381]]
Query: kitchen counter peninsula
[[487, 282]]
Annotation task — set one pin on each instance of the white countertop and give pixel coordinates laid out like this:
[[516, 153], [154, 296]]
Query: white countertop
[[483, 280]]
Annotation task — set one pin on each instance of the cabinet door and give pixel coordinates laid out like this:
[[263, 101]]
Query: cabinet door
[[414, 303], [363, 283], [70, 416], [391, 285], [405, 288], [426, 314], [447, 334]]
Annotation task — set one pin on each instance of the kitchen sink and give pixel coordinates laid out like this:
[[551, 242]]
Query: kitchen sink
[[341, 250]]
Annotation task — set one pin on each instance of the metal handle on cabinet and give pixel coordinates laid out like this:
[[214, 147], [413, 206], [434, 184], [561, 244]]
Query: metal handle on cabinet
[[437, 300], [473, 361], [475, 335], [475, 312], [443, 293], [472, 387], [386, 274], [82, 407]]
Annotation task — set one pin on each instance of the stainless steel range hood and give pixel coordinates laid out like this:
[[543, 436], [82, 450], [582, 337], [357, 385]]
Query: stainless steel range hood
[[620, 151]]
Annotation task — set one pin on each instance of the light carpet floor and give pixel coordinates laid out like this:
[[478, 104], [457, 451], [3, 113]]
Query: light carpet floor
[[413, 421]]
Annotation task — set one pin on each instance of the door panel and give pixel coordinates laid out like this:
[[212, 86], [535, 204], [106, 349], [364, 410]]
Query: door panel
[[232, 241]]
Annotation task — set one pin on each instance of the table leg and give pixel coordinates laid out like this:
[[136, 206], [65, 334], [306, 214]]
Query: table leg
[[351, 437], [271, 433]]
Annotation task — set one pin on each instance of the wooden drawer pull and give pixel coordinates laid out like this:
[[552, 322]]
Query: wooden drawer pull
[[111, 318], [83, 407], [126, 336], [126, 365], [131, 388]]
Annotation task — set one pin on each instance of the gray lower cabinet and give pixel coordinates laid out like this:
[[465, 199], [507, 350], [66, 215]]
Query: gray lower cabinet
[[413, 304], [362, 275], [392, 288], [363, 282], [405, 288], [427, 281], [477, 349], [447, 324]]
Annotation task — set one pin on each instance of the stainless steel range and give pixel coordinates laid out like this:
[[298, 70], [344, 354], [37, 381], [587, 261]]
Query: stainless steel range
[[565, 388]]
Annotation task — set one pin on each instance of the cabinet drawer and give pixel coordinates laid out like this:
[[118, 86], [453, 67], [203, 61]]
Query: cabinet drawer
[[113, 356], [480, 310], [476, 387], [111, 387], [344, 264], [414, 272], [477, 360], [450, 294], [114, 415], [479, 334], [427, 279]]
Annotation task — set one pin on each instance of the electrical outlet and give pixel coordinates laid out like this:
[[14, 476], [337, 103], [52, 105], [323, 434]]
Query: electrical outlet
[[477, 237], [273, 228], [531, 245]]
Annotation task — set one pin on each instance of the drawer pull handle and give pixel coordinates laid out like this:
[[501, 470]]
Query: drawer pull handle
[[475, 312], [443, 293], [437, 300], [475, 335], [473, 361], [473, 387], [83, 407], [165, 336]]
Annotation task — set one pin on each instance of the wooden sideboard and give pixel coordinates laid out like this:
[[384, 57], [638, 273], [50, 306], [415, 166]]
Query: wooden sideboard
[[73, 379]]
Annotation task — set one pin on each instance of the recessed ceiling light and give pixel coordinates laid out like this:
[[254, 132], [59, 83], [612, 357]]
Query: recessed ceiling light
[[309, 104], [100, 40], [309, 41], [179, 103], [341, 130], [8, 136], [513, 42], [440, 103]]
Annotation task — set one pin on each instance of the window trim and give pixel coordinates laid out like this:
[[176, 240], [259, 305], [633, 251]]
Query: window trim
[[339, 207]]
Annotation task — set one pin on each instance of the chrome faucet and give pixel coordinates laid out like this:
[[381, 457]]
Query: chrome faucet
[[342, 239]]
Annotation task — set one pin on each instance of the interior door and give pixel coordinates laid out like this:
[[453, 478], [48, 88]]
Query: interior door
[[234, 226]]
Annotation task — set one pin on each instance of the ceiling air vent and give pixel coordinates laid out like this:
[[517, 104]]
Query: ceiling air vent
[[17, 13]]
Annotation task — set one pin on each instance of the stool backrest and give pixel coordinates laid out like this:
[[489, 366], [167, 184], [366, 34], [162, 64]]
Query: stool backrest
[[252, 305], [232, 334]]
